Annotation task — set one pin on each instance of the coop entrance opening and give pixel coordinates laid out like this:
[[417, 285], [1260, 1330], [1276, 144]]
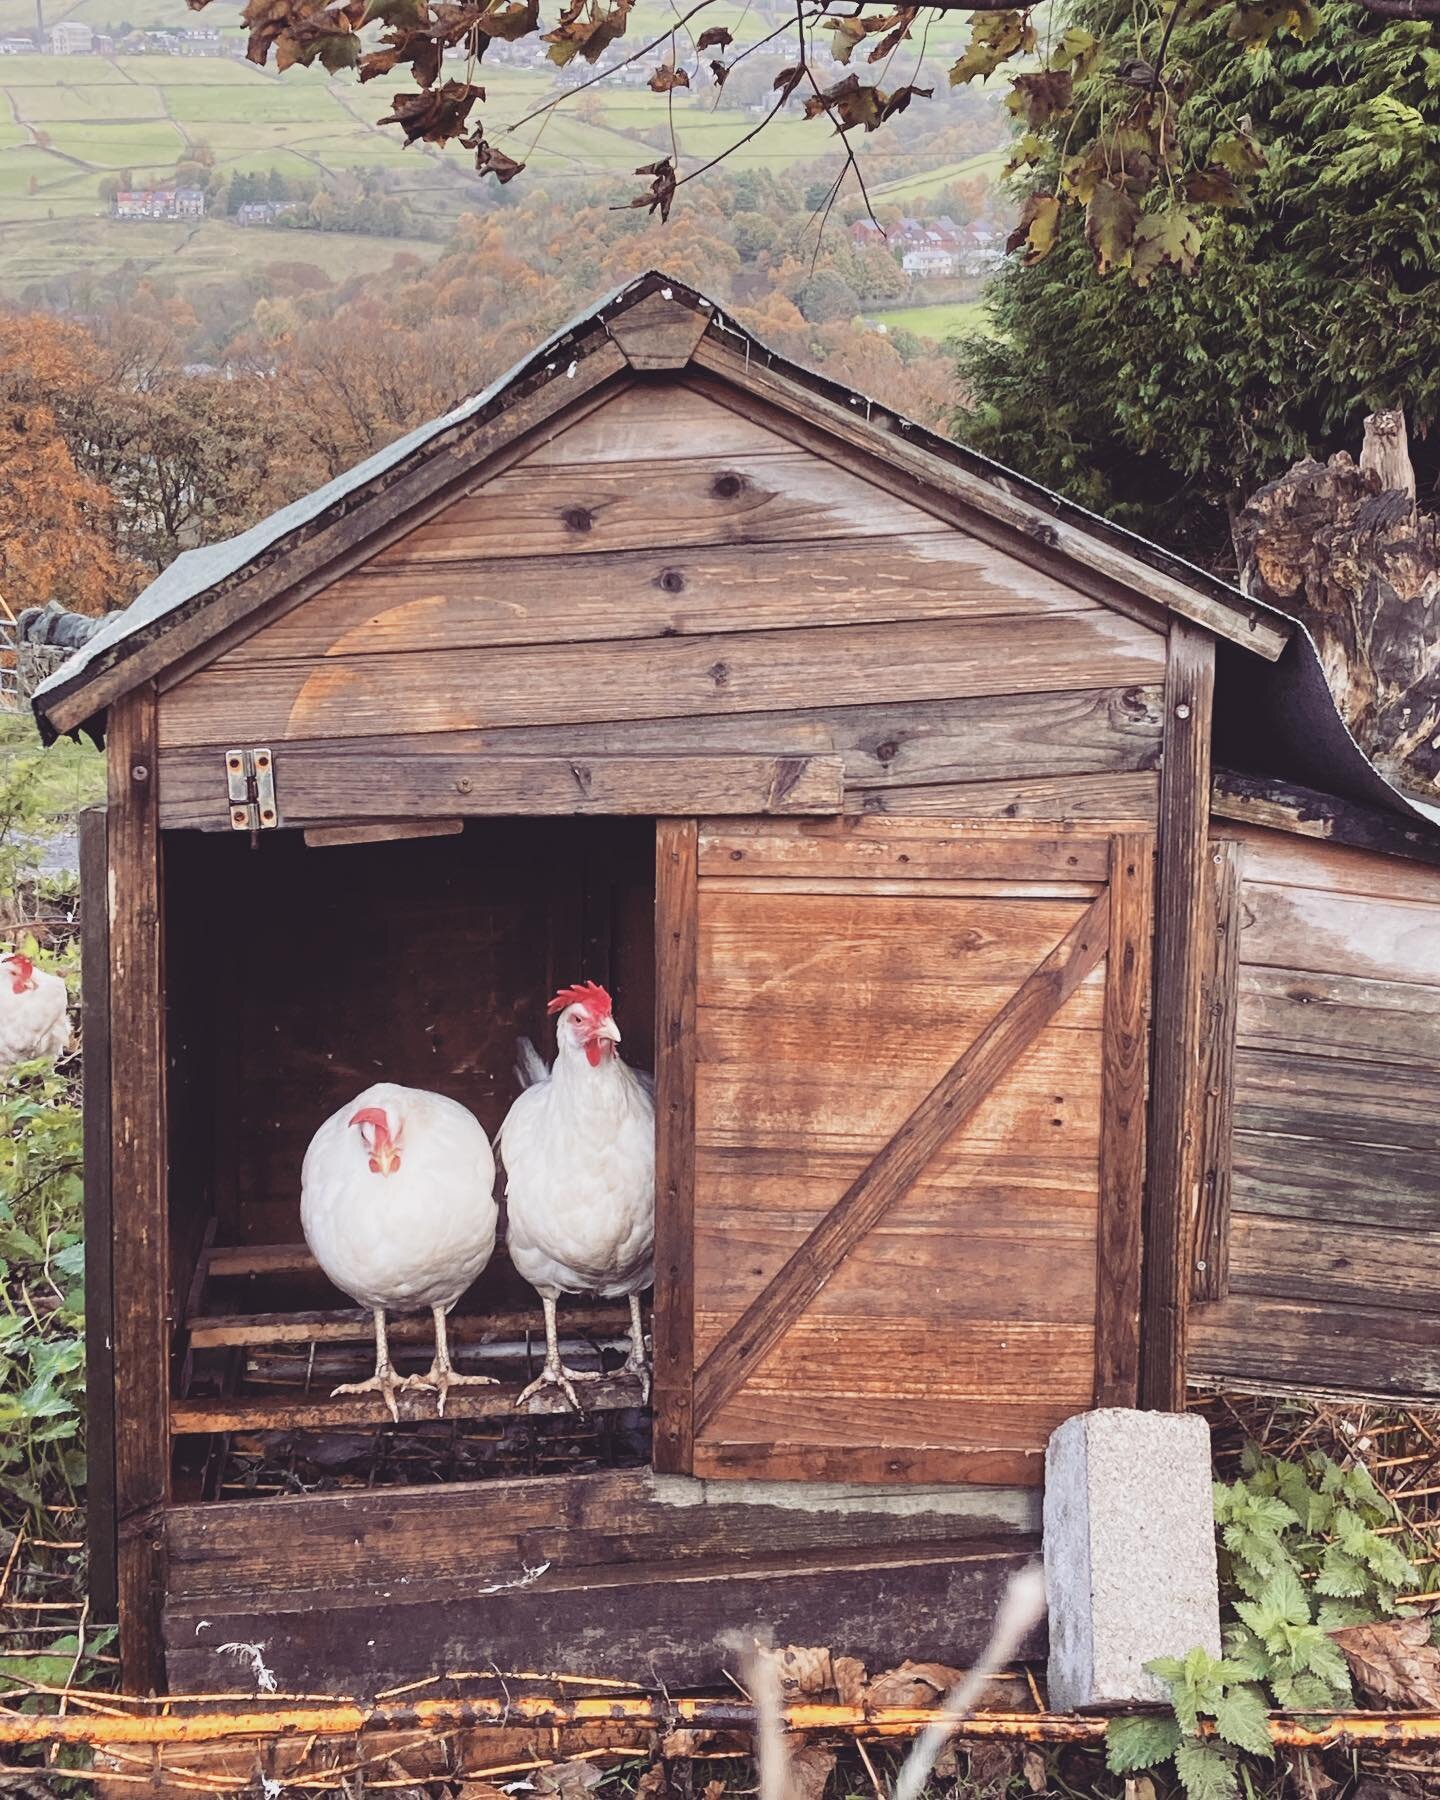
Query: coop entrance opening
[[299, 976]]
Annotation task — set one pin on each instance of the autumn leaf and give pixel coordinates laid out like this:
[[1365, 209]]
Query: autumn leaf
[[508, 20], [666, 77], [1077, 51], [1038, 229], [490, 161], [719, 70], [716, 37], [809, 1772], [786, 82], [422, 50], [587, 28], [804, 1672], [1171, 237], [1395, 1662], [1041, 96], [1110, 220], [1255, 25], [994, 37], [912, 1684], [850, 1680], [1214, 187], [401, 15], [1028, 150], [661, 192], [848, 33], [1238, 152], [434, 115]]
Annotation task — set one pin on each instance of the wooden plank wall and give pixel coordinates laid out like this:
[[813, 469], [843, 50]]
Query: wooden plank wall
[[1334, 1254], [669, 576]]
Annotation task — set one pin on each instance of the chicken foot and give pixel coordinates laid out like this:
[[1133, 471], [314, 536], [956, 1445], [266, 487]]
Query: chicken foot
[[441, 1375], [555, 1373], [383, 1381], [636, 1363]]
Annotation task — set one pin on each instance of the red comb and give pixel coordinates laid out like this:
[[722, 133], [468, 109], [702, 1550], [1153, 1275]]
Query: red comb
[[22, 964], [373, 1115], [588, 994]]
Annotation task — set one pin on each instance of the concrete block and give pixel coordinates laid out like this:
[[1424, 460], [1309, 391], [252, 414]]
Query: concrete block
[[1129, 1552]]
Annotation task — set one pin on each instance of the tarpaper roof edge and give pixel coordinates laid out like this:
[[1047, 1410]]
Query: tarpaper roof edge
[[197, 572]]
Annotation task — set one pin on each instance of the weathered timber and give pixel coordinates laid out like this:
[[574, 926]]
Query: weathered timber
[[1338, 1100], [1341, 934], [1294, 1344], [738, 672], [666, 1622], [391, 831], [676, 943], [789, 404], [1314, 1179], [1122, 1131], [202, 1415], [659, 332], [865, 1201], [303, 564], [1337, 1265], [1350, 1016], [975, 741], [1219, 1007], [100, 1520], [213, 1331], [314, 788], [1284, 860], [1182, 923], [906, 849], [139, 1171], [1266, 800], [1109, 798]]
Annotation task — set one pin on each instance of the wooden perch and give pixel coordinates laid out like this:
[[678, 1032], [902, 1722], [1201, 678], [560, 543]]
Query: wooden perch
[[1342, 547]]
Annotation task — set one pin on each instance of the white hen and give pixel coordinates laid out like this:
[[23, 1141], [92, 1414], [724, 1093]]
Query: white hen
[[579, 1154], [397, 1203], [34, 1012]]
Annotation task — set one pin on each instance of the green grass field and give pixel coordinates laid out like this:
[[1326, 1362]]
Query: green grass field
[[960, 318], [930, 181]]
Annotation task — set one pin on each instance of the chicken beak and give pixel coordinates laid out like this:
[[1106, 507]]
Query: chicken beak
[[386, 1159], [609, 1030]]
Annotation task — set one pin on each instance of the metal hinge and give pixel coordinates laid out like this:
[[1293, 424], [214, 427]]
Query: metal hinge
[[250, 779]]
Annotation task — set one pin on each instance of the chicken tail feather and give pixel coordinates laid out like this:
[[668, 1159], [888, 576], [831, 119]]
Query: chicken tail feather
[[530, 1068]]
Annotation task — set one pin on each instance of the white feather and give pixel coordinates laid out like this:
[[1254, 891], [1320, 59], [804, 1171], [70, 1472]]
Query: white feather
[[579, 1153], [35, 1022], [412, 1239]]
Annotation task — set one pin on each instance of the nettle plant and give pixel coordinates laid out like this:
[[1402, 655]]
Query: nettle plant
[[1306, 1548]]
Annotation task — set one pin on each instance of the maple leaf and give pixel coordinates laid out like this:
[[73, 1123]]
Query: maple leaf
[[661, 192], [1041, 96], [716, 37], [1253, 25], [896, 102], [422, 50], [1170, 237], [1029, 150], [1394, 1661], [509, 20], [994, 37], [1110, 220], [300, 31], [786, 82], [587, 28], [401, 15], [490, 161], [434, 115], [848, 33], [667, 76], [1238, 151], [1038, 229], [1077, 51]]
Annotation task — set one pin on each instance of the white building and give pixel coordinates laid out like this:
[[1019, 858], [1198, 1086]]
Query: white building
[[70, 38], [929, 262]]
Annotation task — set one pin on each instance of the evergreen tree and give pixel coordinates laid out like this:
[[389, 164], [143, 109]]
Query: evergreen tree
[[1165, 404]]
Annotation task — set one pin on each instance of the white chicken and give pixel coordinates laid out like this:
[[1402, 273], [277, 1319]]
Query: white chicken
[[579, 1153], [34, 1012], [397, 1203]]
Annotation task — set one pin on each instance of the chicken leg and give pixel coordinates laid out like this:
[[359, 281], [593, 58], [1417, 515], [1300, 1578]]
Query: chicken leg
[[555, 1373], [636, 1363], [441, 1376], [383, 1380]]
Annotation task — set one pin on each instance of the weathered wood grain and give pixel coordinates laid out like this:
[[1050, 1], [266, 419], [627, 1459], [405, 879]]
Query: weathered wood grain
[[100, 1520], [1338, 1015], [656, 421], [1265, 801], [989, 738], [1341, 1101], [1182, 923], [1340, 934], [707, 500], [676, 942], [204, 1415], [1219, 1005], [659, 591], [1301, 1344], [905, 848], [786, 406], [1335, 1264], [139, 1170], [1376, 1185], [939, 1115], [1286, 861], [1124, 1067], [740, 672], [658, 331], [1115, 799]]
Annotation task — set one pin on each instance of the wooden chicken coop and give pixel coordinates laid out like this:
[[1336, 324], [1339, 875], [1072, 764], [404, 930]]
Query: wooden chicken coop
[[874, 784]]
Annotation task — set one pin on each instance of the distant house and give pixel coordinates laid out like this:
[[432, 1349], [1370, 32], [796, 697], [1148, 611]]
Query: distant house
[[16, 46], [865, 233], [70, 38], [104, 46], [200, 43], [160, 203], [929, 262], [263, 212]]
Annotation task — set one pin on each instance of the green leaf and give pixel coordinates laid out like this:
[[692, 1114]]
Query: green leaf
[[1340, 1574], [1206, 1770], [1240, 1719], [994, 39], [1139, 1742], [1110, 221]]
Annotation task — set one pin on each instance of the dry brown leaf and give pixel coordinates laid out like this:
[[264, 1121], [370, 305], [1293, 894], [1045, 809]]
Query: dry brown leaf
[[667, 76], [713, 1790], [1139, 1787], [1394, 1662], [677, 1744], [480, 1790], [1032, 1767], [804, 1673], [992, 1766], [912, 1684], [848, 1673], [1308, 1780], [570, 1780], [810, 1769]]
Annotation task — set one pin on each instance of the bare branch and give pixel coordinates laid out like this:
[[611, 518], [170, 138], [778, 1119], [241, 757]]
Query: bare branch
[[1403, 9]]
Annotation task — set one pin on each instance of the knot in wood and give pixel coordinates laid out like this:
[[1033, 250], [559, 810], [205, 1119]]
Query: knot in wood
[[719, 673], [728, 485], [672, 581], [578, 518], [887, 752]]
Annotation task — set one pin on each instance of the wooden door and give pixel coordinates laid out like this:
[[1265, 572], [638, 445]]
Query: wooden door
[[902, 1098]]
